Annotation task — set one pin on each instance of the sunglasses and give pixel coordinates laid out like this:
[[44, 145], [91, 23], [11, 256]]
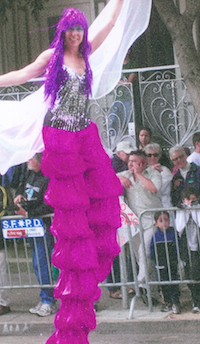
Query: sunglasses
[[75, 28], [153, 154], [178, 157]]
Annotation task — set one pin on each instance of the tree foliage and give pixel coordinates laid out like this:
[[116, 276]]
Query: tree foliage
[[180, 25], [9, 5]]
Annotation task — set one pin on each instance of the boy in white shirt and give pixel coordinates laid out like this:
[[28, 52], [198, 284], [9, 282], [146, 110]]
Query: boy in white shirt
[[187, 224]]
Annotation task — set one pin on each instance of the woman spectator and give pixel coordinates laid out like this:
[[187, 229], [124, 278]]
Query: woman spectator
[[144, 137], [186, 175], [154, 153], [187, 152]]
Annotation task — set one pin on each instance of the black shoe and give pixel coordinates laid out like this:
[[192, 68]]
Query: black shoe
[[4, 310]]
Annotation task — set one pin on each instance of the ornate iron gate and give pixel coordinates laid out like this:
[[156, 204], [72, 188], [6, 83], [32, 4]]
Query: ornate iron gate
[[165, 107], [114, 116]]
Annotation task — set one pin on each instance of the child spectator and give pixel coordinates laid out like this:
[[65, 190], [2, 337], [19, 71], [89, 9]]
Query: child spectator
[[187, 224], [164, 240]]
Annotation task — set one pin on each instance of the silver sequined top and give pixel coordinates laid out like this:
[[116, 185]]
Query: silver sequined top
[[70, 108]]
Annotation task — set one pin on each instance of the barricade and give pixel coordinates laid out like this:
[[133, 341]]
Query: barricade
[[17, 231], [183, 252], [178, 220], [182, 245], [18, 234], [19, 264], [127, 260]]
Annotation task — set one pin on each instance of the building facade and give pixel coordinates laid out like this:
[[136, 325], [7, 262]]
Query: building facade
[[23, 38]]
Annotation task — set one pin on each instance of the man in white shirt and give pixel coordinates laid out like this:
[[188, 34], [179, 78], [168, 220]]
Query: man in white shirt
[[141, 191]]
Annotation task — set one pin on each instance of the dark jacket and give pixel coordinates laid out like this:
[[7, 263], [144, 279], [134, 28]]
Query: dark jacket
[[118, 164], [2, 207], [33, 189], [192, 179], [161, 248]]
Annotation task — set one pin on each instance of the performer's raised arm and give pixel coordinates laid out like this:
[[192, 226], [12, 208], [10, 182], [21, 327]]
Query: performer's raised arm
[[108, 25], [32, 70]]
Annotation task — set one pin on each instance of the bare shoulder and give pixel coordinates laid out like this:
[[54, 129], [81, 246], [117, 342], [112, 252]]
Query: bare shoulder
[[40, 63], [45, 55], [37, 67]]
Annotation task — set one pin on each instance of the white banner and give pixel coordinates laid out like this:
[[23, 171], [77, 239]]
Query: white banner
[[133, 220]]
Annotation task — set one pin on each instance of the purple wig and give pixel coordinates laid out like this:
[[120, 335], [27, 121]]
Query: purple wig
[[54, 71]]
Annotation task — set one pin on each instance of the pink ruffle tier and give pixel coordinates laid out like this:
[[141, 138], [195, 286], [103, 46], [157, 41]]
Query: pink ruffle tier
[[83, 190]]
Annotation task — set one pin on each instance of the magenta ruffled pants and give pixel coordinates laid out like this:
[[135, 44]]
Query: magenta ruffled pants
[[83, 190]]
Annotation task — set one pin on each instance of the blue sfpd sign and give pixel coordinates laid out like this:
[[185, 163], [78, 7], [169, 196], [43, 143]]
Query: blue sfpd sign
[[22, 228]]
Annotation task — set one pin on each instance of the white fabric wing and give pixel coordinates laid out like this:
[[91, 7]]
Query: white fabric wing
[[21, 125], [107, 61]]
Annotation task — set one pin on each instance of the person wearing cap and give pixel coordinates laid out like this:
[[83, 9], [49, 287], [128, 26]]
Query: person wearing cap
[[120, 159], [30, 200]]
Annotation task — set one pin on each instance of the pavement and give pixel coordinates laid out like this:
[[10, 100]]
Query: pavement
[[110, 312]]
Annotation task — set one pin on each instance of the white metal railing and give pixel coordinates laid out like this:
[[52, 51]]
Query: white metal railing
[[165, 107]]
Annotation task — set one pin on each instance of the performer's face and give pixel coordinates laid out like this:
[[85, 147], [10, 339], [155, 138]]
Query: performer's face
[[74, 36]]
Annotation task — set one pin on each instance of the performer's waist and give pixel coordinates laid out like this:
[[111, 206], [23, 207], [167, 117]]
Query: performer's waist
[[69, 122]]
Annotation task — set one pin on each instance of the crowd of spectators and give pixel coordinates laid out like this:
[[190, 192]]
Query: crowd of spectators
[[148, 183]]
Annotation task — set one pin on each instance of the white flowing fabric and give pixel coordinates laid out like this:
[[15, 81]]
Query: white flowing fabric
[[21, 121], [107, 61]]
